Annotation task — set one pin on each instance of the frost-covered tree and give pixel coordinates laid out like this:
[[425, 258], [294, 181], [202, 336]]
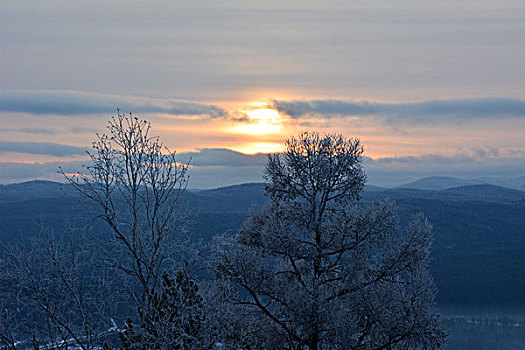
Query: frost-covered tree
[[59, 291], [133, 185], [176, 319], [234, 326], [323, 270], [50, 296]]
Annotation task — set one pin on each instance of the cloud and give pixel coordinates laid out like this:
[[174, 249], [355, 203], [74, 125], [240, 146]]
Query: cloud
[[212, 177], [471, 157], [42, 131], [210, 167], [70, 103], [474, 163], [201, 177], [221, 167], [446, 111], [18, 172], [465, 157], [47, 148], [424, 160], [222, 157]]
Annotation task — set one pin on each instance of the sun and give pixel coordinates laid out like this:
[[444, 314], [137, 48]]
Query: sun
[[259, 127], [261, 121], [259, 147]]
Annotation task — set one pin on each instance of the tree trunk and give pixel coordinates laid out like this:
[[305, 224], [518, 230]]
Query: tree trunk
[[314, 343]]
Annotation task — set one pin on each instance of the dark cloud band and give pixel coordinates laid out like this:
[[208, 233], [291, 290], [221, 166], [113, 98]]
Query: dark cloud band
[[70, 103], [222, 157], [454, 110], [47, 148], [221, 167]]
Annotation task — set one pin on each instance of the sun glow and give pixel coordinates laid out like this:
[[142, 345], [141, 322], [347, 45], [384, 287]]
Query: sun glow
[[260, 127], [259, 147], [260, 121]]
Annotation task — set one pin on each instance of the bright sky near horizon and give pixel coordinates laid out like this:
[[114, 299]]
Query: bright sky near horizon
[[430, 88]]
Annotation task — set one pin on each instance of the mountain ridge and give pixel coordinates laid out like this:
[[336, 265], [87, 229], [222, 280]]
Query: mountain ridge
[[479, 233]]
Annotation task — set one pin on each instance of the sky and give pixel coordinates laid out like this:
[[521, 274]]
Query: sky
[[429, 87]]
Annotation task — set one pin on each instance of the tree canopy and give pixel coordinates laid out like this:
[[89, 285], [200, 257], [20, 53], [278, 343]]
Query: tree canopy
[[318, 269]]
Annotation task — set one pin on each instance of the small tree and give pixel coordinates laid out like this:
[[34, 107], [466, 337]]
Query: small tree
[[326, 272], [51, 296], [175, 321], [135, 185]]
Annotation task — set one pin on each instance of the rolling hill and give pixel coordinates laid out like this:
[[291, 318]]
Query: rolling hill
[[477, 257]]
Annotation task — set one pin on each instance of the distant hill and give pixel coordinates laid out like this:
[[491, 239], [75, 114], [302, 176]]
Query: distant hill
[[517, 183], [479, 244], [482, 192], [372, 188], [230, 198], [488, 192], [445, 182], [439, 183], [33, 189]]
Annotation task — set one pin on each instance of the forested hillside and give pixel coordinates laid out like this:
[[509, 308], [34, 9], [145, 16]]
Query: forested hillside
[[478, 256]]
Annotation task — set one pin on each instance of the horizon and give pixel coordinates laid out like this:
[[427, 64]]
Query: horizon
[[427, 183], [429, 89]]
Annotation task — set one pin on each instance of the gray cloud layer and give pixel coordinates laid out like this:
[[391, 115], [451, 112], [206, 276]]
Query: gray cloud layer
[[17, 172], [47, 148], [221, 167], [222, 157], [205, 157], [454, 110], [75, 103], [234, 50], [70, 103]]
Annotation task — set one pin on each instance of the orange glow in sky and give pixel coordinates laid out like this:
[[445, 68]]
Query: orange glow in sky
[[260, 121], [259, 147], [261, 125]]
